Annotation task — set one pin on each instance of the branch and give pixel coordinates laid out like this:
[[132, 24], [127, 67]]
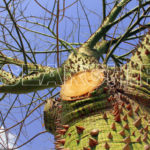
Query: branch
[[103, 46], [18, 32], [30, 139], [137, 30], [129, 13], [9, 60], [124, 36], [63, 42], [6, 77], [38, 81], [90, 43], [104, 14], [86, 17]]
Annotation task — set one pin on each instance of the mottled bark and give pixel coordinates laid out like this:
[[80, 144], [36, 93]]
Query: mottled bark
[[113, 116]]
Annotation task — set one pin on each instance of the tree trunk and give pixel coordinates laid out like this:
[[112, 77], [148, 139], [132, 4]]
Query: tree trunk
[[114, 115], [122, 126]]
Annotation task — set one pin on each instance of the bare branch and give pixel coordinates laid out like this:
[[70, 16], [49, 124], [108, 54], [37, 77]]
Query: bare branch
[[106, 25]]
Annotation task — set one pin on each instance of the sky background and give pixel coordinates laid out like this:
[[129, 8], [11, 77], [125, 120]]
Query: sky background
[[4, 137], [75, 27]]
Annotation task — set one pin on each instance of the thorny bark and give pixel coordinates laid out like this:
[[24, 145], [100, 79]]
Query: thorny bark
[[95, 111]]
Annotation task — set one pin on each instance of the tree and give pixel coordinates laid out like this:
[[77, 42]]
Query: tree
[[99, 106]]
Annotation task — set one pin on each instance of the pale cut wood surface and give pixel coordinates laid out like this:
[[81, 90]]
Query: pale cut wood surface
[[81, 83]]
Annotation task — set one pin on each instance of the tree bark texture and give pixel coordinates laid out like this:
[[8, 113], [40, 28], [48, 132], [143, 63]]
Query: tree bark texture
[[115, 115]]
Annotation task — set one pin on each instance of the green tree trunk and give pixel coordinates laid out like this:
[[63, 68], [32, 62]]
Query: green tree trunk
[[122, 126], [113, 116]]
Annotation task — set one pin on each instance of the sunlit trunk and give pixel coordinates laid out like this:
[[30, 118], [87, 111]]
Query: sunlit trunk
[[113, 115]]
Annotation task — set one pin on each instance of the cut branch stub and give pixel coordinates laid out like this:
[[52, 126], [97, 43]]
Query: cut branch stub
[[81, 84], [82, 74]]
